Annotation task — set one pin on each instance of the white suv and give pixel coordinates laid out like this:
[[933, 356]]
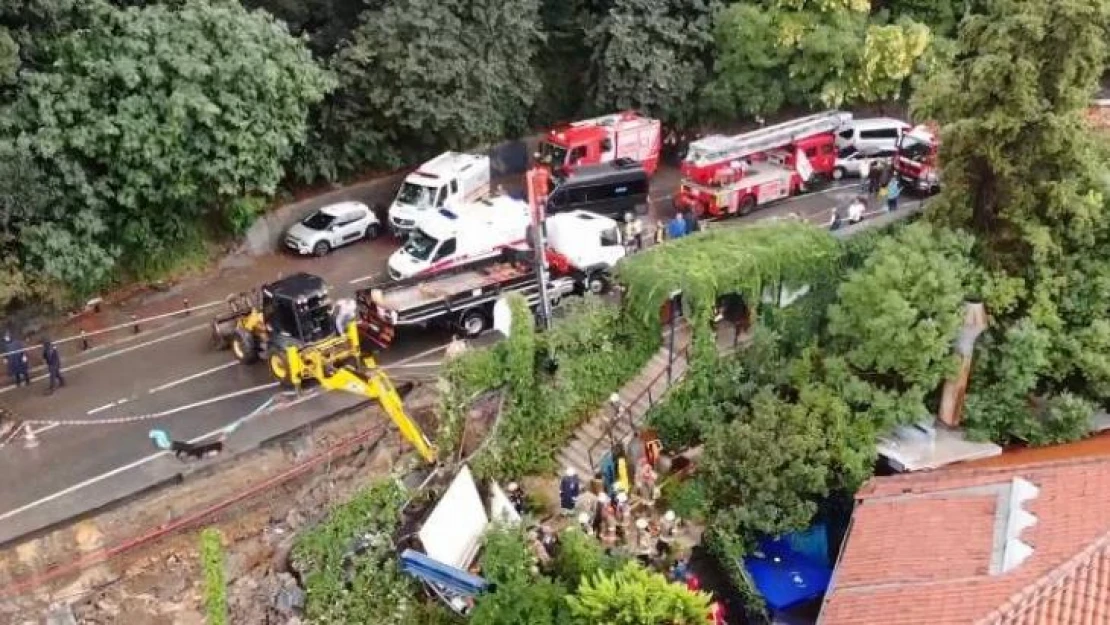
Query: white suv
[[331, 227]]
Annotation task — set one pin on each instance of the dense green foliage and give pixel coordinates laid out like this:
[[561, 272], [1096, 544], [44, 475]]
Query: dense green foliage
[[584, 587], [215, 576], [134, 132], [135, 127], [353, 548], [1023, 176], [596, 350]]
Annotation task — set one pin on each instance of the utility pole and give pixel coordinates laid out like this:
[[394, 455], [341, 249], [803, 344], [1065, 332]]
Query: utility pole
[[539, 182]]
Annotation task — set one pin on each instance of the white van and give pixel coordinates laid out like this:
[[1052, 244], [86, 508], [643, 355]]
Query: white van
[[446, 180], [872, 134], [449, 237]]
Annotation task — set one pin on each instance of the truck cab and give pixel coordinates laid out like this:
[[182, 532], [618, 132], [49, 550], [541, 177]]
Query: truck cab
[[626, 135], [444, 181], [916, 160], [469, 232], [590, 244]]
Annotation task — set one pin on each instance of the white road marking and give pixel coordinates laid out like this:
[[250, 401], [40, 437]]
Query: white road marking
[[119, 352], [118, 402], [192, 377], [125, 467]]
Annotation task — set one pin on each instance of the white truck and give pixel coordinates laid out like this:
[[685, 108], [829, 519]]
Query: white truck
[[448, 237], [446, 180], [582, 248]]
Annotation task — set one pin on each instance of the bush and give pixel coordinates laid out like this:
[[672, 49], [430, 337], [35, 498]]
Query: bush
[[348, 562], [520, 595], [687, 498], [580, 555], [215, 578], [633, 594]]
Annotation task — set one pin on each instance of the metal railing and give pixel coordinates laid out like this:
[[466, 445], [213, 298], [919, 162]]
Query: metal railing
[[626, 415]]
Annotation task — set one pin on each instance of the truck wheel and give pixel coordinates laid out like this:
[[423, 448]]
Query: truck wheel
[[838, 173], [472, 322], [244, 346], [279, 368], [747, 203], [321, 249], [597, 284]]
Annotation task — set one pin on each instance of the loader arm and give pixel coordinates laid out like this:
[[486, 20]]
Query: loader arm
[[337, 365]]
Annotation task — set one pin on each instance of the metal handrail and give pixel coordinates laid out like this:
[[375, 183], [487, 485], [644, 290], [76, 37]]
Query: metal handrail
[[627, 410]]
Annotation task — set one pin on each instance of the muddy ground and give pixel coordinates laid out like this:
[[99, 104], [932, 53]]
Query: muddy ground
[[160, 582]]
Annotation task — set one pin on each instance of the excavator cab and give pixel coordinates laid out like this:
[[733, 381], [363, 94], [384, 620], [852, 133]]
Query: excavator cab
[[298, 309]]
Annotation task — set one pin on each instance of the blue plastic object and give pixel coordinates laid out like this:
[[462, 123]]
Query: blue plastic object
[[784, 577], [453, 580]]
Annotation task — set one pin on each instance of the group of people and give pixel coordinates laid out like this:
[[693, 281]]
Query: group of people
[[19, 362], [881, 183]]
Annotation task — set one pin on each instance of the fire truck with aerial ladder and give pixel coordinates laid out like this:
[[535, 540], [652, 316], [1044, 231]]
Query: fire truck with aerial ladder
[[724, 176], [915, 161], [625, 135]]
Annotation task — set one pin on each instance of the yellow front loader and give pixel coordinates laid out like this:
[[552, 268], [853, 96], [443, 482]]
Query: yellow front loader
[[292, 326]]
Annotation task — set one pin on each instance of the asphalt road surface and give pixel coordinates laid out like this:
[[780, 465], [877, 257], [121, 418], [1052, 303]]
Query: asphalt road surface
[[174, 373]]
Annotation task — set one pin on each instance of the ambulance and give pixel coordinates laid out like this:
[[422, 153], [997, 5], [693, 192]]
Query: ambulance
[[459, 235], [449, 179]]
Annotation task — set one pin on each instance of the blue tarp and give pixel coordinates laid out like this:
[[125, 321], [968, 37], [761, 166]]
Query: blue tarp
[[453, 580], [785, 577]]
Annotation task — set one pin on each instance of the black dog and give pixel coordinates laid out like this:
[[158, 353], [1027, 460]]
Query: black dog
[[184, 451]]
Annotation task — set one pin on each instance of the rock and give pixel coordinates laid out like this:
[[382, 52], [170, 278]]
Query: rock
[[294, 519], [288, 599], [61, 615], [107, 608]]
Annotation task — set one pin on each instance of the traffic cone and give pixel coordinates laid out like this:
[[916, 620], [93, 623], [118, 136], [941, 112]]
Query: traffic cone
[[30, 441]]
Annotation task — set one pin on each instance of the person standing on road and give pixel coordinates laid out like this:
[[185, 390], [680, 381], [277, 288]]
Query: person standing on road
[[659, 233], [53, 362], [865, 173], [893, 192], [19, 366], [874, 175]]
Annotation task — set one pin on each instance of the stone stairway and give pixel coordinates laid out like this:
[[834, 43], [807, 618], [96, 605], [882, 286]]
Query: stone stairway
[[591, 440]]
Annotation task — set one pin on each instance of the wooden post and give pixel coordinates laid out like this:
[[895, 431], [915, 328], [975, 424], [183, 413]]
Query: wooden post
[[955, 389]]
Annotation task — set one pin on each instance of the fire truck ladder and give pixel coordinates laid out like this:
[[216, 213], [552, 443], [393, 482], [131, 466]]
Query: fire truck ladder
[[718, 148]]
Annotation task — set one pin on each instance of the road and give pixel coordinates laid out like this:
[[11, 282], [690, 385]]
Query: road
[[192, 390]]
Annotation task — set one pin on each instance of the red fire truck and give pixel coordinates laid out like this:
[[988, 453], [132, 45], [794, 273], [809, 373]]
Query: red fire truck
[[916, 159], [723, 176], [627, 135]]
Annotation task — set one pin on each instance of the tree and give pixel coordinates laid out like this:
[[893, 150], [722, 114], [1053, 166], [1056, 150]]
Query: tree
[[151, 117], [1022, 174], [635, 595], [651, 55], [421, 75], [807, 52], [898, 316]]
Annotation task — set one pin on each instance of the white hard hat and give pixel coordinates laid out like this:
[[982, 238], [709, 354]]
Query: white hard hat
[[641, 524], [583, 518], [513, 486], [621, 497], [669, 516], [603, 498], [571, 472], [615, 398]]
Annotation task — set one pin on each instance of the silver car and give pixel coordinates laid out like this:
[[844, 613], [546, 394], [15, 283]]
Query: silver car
[[331, 227], [849, 160]]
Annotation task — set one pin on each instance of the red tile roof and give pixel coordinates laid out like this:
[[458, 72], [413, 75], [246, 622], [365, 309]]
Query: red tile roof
[[925, 548]]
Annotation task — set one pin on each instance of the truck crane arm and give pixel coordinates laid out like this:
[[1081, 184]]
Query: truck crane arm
[[337, 364]]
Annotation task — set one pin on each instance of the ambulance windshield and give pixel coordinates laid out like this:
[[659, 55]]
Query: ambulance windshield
[[416, 195], [420, 245]]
